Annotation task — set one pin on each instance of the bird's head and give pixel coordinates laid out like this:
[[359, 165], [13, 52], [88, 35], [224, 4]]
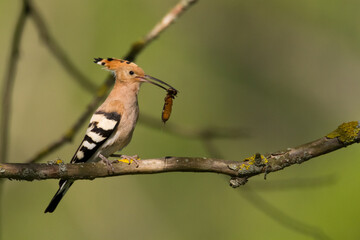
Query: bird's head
[[126, 71]]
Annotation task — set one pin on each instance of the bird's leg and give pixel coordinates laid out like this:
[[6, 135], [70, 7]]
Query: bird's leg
[[107, 162], [129, 158]]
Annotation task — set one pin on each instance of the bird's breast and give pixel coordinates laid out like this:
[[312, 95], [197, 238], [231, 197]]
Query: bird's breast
[[124, 132]]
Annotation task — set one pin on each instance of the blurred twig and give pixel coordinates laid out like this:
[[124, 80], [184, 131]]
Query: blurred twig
[[70, 133], [205, 134], [59, 53], [282, 218], [166, 21], [211, 149], [208, 132], [1, 196], [136, 48], [296, 183], [9, 81]]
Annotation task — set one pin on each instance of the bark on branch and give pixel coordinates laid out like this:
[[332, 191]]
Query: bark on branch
[[346, 134]]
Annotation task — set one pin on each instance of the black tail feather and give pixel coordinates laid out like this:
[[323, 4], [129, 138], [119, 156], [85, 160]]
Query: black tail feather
[[64, 186]]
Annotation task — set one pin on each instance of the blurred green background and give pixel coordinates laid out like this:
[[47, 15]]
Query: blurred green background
[[286, 71]]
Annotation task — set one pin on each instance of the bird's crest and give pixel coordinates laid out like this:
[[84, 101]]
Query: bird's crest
[[112, 63]]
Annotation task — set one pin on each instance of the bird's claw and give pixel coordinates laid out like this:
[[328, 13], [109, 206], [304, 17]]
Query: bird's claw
[[130, 159]]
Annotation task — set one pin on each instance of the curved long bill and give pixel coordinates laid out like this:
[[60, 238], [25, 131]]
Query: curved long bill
[[148, 79]]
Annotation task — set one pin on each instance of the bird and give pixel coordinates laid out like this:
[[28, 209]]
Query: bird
[[112, 125]]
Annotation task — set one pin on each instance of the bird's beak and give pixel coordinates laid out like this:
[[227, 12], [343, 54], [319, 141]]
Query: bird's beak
[[148, 79]]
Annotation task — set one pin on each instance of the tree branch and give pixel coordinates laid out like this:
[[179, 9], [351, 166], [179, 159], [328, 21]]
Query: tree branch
[[346, 134]]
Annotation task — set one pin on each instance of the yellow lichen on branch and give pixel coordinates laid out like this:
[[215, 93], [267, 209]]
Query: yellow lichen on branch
[[253, 160], [346, 132]]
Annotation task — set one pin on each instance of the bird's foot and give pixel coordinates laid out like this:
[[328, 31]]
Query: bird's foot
[[130, 159], [108, 163]]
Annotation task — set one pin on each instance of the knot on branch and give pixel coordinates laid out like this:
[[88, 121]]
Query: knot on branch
[[237, 182], [256, 163]]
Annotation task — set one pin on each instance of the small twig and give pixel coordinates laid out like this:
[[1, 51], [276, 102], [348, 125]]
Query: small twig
[[59, 53], [9, 81], [103, 89], [166, 21], [346, 134]]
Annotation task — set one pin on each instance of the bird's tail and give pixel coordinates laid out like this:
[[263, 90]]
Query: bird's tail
[[64, 185]]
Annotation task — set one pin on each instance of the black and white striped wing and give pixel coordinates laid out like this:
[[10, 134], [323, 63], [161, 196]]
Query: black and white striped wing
[[101, 127]]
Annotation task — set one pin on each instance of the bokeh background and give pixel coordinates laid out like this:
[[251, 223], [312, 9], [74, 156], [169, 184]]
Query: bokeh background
[[287, 72]]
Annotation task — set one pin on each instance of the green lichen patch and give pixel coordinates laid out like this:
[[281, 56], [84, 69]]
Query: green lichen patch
[[346, 132]]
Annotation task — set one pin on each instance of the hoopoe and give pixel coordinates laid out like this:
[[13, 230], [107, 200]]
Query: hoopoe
[[112, 125]]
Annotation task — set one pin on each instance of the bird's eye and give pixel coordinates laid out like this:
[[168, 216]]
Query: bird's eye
[[131, 73]]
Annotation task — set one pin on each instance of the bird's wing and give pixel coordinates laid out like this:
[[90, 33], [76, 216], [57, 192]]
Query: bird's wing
[[102, 126]]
